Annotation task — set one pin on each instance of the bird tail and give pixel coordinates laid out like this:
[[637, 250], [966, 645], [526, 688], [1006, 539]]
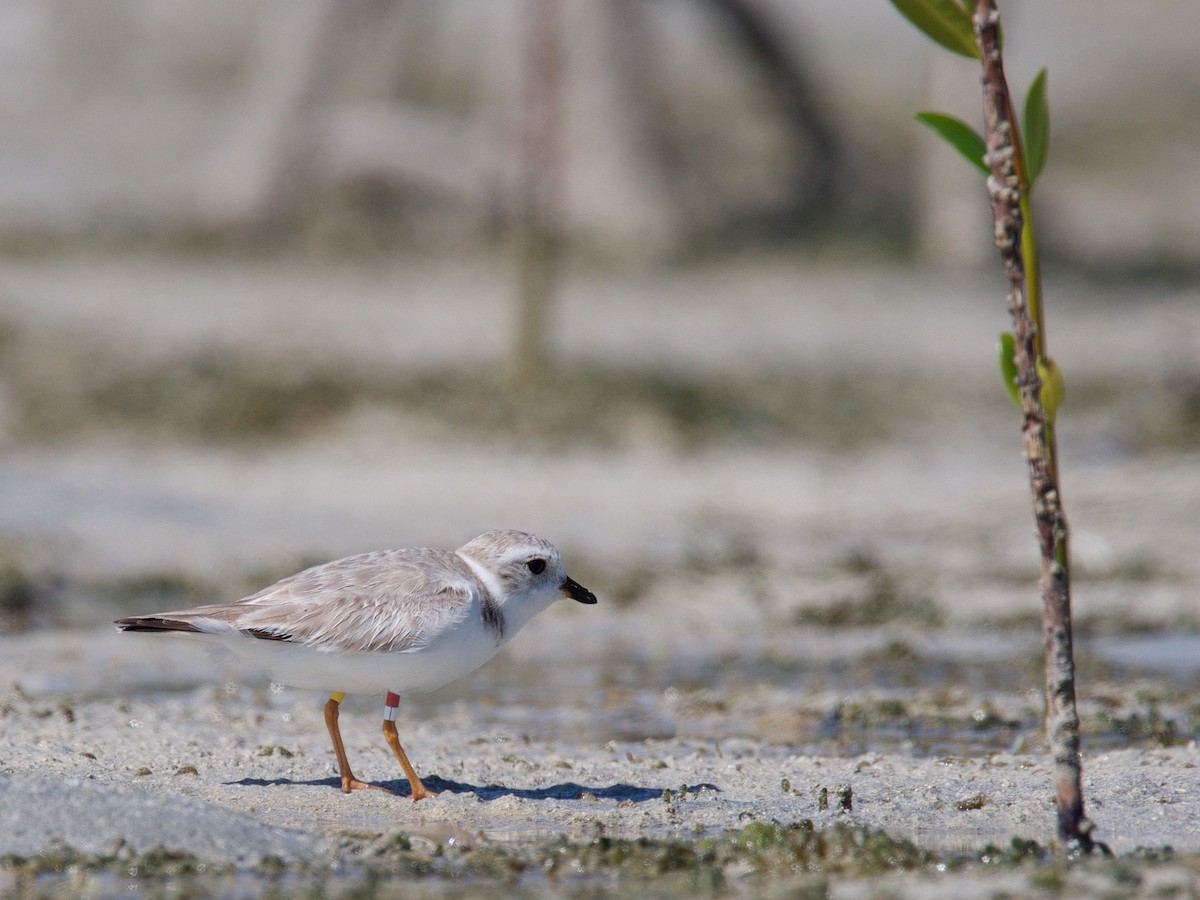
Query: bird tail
[[154, 623]]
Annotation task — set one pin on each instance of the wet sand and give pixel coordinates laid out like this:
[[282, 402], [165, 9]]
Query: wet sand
[[776, 616]]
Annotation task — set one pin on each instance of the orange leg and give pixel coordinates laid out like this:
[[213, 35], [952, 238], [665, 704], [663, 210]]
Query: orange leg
[[419, 791], [349, 782]]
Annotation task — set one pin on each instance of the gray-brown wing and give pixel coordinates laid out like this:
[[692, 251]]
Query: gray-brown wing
[[388, 601]]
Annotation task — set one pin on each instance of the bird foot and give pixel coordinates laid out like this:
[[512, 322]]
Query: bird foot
[[420, 792], [353, 784]]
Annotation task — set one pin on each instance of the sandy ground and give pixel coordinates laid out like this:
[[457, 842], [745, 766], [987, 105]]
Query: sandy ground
[[703, 676], [535, 769]]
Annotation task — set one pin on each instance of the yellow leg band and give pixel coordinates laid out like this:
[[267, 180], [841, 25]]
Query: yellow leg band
[[337, 696]]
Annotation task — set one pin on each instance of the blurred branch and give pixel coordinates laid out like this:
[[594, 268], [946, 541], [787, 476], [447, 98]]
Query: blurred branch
[[815, 190], [246, 182], [539, 219]]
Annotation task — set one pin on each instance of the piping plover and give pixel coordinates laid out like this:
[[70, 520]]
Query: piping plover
[[393, 621]]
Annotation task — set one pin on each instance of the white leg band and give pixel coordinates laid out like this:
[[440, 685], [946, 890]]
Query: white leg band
[[391, 705]]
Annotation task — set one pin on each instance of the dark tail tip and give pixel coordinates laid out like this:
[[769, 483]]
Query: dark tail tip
[[153, 623]]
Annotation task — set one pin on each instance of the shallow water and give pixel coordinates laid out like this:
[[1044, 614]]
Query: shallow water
[[1175, 653]]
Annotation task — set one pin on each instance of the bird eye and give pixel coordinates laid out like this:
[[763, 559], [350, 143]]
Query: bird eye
[[537, 565]]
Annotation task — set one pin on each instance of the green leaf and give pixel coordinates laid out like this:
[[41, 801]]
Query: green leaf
[[1036, 127], [959, 135], [1008, 365], [1053, 387], [945, 21]]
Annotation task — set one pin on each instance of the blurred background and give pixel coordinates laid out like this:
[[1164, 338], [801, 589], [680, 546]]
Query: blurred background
[[678, 284], [682, 126]]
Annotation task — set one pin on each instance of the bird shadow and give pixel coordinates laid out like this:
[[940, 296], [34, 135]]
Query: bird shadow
[[568, 790]]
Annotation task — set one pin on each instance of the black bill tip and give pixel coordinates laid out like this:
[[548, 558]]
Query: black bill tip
[[576, 591]]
